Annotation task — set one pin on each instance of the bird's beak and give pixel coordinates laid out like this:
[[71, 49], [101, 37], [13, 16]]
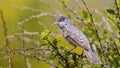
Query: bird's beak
[[54, 23]]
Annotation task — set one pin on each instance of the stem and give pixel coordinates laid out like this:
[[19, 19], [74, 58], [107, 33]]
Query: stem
[[118, 13], [96, 32], [116, 48], [73, 12], [6, 40], [60, 55], [23, 45], [48, 62], [117, 7]]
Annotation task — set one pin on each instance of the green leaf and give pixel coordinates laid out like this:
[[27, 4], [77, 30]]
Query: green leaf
[[118, 2], [66, 53], [85, 14], [110, 18], [111, 11], [69, 16], [110, 58], [117, 41], [45, 34], [55, 41]]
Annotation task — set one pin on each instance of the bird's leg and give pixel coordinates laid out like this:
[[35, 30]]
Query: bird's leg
[[81, 55]]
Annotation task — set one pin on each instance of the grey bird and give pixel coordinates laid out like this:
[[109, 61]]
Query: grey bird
[[76, 38]]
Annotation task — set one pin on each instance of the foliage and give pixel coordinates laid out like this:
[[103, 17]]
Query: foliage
[[101, 28]]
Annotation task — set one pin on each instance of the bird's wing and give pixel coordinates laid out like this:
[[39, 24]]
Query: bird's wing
[[76, 38]]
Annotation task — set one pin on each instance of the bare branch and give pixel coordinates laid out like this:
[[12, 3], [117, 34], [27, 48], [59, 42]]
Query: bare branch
[[117, 15], [6, 40], [96, 32], [47, 61], [26, 8], [116, 48], [117, 8], [73, 12], [36, 16]]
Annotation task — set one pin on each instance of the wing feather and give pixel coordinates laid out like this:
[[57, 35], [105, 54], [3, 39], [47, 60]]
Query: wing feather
[[76, 38]]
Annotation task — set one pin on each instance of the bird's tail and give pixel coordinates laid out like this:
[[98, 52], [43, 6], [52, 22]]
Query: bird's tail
[[92, 57]]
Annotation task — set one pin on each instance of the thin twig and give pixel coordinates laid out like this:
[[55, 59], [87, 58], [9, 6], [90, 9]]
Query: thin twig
[[23, 45], [30, 48], [2, 52], [48, 62], [42, 25], [116, 48], [77, 2], [36, 16], [60, 55], [26, 8], [96, 32], [26, 39], [117, 15], [30, 55], [73, 12], [6, 40], [117, 8]]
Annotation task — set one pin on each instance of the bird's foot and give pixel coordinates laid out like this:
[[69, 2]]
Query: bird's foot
[[81, 55]]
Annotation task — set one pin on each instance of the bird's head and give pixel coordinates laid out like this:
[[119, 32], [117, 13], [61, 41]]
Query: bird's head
[[63, 21]]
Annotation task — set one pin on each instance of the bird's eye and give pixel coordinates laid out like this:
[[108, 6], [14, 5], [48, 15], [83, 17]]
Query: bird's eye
[[61, 19]]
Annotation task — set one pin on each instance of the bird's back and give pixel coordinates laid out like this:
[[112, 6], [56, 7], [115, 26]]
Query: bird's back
[[73, 35]]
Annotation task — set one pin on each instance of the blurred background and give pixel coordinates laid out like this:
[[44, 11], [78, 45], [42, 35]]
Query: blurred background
[[34, 15]]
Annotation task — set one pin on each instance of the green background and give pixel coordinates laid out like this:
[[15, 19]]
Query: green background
[[13, 10]]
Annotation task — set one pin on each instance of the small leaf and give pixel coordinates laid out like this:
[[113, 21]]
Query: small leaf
[[111, 11], [55, 41], [69, 16], [67, 54], [118, 2], [110, 58], [85, 14], [110, 18], [61, 48], [45, 34], [116, 56], [117, 41]]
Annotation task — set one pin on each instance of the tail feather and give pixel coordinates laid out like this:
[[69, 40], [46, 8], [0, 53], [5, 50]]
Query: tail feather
[[92, 57]]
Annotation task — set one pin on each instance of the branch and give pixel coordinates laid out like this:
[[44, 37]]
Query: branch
[[116, 48], [48, 62], [36, 16], [117, 8], [73, 12], [59, 54], [96, 32], [6, 40], [23, 45], [117, 15]]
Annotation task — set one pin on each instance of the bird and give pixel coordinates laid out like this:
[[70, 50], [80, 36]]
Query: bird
[[75, 37]]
